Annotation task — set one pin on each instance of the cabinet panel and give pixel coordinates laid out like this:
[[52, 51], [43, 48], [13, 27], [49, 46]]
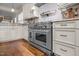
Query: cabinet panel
[[68, 24], [17, 32], [63, 50], [77, 51], [4, 33], [25, 32], [77, 37], [67, 36]]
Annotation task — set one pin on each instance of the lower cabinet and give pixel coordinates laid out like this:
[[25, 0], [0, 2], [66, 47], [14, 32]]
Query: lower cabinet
[[66, 42], [4, 36], [13, 32], [63, 50], [65, 35], [16, 32], [9, 33], [66, 38], [77, 37], [25, 32]]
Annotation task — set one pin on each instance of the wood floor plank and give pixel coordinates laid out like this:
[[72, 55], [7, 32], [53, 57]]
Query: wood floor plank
[[19, 47]]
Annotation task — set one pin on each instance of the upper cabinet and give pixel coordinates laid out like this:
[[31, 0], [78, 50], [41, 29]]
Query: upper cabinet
[[30, 11]]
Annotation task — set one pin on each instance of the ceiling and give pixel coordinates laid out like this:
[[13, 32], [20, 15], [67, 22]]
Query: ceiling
[[5, 9]]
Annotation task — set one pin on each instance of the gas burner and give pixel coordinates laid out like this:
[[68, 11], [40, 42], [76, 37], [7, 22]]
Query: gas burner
[[41, 25]]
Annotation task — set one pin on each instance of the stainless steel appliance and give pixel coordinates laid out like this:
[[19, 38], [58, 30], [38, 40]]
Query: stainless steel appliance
[[43, 38], [40, 34]]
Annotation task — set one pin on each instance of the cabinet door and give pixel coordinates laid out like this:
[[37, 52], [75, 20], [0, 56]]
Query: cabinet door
[[77, 37], [12, 33], [77, 51], [9, 33], [4, 33], [17, 32], [65, 35], [25, 32], [64, 50]]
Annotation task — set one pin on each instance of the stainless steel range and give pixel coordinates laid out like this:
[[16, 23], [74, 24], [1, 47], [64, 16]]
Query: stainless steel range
[[40, 34]]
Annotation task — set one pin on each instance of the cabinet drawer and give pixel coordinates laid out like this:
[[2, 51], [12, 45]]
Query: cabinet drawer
[[69, 24], [64, 50], [67, 36]]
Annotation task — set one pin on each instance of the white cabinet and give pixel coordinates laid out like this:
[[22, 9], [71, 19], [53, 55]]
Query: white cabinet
[[65, 35], [65, 24], [30, 11], [65, 32], [25, 32], [64, 50], [77, 23], [16, 32], [13, 32], [77, 37], [3, 33], [9, 34], [77, 51]]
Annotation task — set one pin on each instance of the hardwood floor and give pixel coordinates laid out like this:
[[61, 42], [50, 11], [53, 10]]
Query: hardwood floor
[[19, 47]]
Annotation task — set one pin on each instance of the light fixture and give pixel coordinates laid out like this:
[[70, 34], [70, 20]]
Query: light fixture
[[12, 10]]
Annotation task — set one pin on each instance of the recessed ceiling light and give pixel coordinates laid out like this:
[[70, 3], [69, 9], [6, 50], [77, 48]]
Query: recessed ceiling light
[[12, 10]]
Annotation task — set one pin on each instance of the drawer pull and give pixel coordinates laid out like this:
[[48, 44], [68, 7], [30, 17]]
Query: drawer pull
[[64, 35], [63, 25], [63, 50]]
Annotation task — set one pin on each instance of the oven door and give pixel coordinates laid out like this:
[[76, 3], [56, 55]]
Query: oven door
[[43, 38]]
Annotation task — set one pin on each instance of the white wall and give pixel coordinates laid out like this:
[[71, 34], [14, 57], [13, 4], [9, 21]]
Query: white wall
[[50, 6]]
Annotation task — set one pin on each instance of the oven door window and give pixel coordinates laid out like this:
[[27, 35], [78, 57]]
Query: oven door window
[[41, 37]]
